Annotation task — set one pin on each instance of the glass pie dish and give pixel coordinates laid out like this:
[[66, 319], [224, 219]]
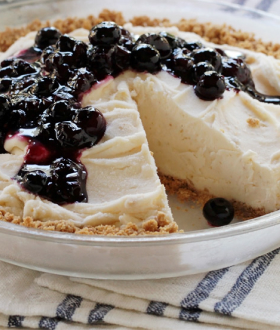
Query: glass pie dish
[[200, 248]]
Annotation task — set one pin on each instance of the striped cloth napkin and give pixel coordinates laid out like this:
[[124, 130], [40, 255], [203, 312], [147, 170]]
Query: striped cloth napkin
[[245, 296]]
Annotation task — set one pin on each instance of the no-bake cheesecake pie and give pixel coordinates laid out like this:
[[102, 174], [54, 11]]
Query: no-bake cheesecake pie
[[75, 153]]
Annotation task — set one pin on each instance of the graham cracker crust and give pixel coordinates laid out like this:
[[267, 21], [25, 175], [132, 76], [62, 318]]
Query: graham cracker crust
[[185, 192], [158, 226], [222, 34]]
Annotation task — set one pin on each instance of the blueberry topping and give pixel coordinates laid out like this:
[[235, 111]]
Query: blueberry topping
[[60, 111], [54, 60], [209, 55], [218, 212], [92, 122], [5, 84], [7, 62], [158, 41], [46, 37], [121, 58], [145, 57], [100, 61], [182, 65], [235, 67], [45, 86], [105, 34], [127, 39], [191, 45], [63, 93], [5, 106], [35, 181], [28, 102], [80, 53], [200, 68], [75, 49], [17, 119], [46, 53], [62, 181], [210, 86], [67, 182], [24, 68], [81, 81], [65, 43], [18, 68], [221, 52], [46, 135], [30, 55], [23, 86], [69, 135], [7, 71], [171, 39], [63, 73], [38, 154], [233, 83]]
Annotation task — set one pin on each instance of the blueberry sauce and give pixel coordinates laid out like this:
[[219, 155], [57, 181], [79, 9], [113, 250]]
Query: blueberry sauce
[[218, 212], [41, 89], [31, 54]]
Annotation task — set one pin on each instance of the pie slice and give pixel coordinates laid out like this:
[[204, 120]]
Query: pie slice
[[123, 192]]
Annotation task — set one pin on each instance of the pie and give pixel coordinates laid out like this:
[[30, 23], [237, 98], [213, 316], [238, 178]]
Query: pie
[[76, 156]]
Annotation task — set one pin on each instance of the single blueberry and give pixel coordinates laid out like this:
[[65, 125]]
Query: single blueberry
[[209, 55], [200, 68], [158, 41], [145, 57], [105, 34], [100, 61], [46, 37], [236, 67], [182, 65], [210, 86], [218, 212], [121, 58], [69, 135], [93, 123], [35, 181], [81, 81]]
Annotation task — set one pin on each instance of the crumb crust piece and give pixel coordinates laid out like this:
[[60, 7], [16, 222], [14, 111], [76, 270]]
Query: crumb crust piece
[[253, 122], [185, 192], [158, 226], [219, 34]]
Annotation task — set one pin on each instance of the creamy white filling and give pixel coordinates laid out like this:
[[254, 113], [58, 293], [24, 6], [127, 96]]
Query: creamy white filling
[[208, 143]]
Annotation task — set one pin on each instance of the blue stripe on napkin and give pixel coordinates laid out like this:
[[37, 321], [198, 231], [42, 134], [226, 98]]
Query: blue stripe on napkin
[[203, 289], [236, 2], [244, 284], [265, 5], [98, 313], [67, 308], [48, 323], [190, 314], [15, 321], [156, 308]]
